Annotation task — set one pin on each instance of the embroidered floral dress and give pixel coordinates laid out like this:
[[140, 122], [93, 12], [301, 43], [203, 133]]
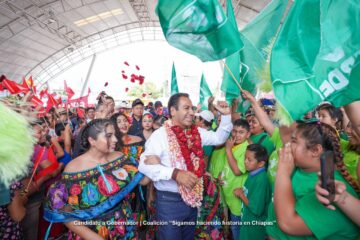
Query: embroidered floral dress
[[9, 229], [97, 198], [211, 212], [132, 152], [138, 195]]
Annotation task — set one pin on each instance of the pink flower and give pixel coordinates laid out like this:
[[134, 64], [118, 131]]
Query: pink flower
[[103, 189], [75, 189]]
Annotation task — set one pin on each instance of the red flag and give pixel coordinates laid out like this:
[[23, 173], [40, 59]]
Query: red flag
[[126, 63], [25, 86], [137, 67], [59, 101], [12, 86], [89, 91], [126, 89], [124, 76], [29, 85], [69, 92], [51, 102], [43, 92], [80, 112], [36, 101], [2, 78]]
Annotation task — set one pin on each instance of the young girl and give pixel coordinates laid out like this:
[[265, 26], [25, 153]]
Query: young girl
[[258, 134], [351, 152], [332, 116], [298, 213], [147, 124]]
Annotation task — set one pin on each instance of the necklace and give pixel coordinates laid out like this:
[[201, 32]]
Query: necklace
[[190, 146]]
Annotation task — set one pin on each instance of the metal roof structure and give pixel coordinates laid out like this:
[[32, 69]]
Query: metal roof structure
[[43, 38]]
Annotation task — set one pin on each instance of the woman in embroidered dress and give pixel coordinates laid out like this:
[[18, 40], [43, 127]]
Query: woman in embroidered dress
[[91, 196], [132, 147]]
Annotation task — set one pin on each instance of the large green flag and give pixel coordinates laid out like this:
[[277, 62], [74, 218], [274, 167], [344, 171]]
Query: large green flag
[[262, 29], [205, 93], [251, 59], [174, 85], [316, 56], [228, 85], [198, 27]]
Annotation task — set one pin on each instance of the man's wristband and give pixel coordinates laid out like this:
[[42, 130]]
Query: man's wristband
[[174, 174]]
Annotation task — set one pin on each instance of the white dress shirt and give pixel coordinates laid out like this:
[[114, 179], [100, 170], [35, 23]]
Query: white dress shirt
[[158, 144]]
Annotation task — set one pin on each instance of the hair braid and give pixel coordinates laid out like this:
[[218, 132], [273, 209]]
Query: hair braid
[[91, 130], [331, 137]]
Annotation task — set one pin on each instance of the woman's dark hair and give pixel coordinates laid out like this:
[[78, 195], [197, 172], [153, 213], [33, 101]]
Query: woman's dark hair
[[327, 137], [261, 154], [118, 133], [174, 100], [160, 118], [59, 127], [335, 113], [92, 129]]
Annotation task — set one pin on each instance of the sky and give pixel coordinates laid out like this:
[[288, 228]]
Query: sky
[[155, 60]]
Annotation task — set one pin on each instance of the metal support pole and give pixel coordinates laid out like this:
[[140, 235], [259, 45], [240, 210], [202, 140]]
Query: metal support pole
[[88, 74]]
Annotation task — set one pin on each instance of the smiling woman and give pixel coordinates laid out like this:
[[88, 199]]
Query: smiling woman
[[93, 187]]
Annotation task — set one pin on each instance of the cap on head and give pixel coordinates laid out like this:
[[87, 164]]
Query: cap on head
[[206, 115], [137, 102]]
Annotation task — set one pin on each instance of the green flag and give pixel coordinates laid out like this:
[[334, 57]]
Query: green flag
[[174, 85], [316, 56], [205, 93], [246, 64], [198, 27], [228, 85], [262, 29], [256, 36]]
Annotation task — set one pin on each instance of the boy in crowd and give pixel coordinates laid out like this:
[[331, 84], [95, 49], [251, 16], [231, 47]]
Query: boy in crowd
[[234, 173], [255, 195]]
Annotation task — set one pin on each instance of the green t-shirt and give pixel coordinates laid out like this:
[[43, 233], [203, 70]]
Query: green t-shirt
[[258, 191], [265, 141], [351, 159], [274, 157], [217, 161], [231, 181], [323, 222], [207, 152]]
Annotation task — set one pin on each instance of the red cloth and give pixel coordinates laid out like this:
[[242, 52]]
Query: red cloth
[[69, 92]]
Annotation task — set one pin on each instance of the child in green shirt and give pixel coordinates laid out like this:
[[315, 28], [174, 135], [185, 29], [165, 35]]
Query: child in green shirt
[[298, 213], [234, 173], [255, 195]]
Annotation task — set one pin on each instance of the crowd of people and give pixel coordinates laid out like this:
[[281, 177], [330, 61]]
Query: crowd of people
[[179, 172]]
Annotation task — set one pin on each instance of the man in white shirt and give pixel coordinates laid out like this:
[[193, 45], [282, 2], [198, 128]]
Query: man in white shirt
[[175, 204]]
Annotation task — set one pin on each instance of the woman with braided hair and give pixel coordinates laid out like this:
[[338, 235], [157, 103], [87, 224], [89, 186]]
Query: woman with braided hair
[[298, 213], [91, 197]]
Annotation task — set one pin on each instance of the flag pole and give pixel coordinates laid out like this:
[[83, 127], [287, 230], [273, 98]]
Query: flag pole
[[232, 75]]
